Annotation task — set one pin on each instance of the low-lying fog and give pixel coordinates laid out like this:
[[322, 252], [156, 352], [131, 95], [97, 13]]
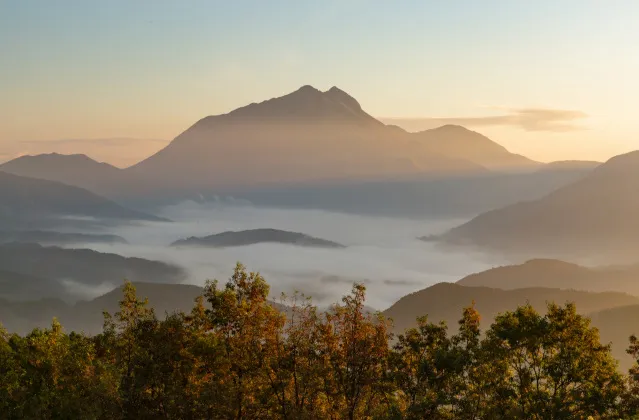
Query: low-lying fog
[[383, 253]]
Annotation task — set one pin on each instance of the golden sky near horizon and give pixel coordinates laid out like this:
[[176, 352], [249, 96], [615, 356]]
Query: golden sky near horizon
[[549, 80]]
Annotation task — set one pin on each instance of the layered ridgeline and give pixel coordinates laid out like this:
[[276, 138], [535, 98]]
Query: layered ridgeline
[[305, 136], [255, 236], [315, 149], [86, 315], [440, 302], [79, 170], [454, 140], [30, 271], [558, 274], [29, 202], [594, 215], [444, 301], [48, 237]]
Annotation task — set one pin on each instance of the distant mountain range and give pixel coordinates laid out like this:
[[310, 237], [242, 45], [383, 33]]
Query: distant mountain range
[[558, 274], [611, 311], [34, 203], [30, 271], [47, 237], [256, 236], [596, 215], [309, 144], [78, 170], [86, 315], [445, 301]]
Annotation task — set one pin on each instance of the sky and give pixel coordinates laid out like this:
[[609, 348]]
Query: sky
[[550, 79]]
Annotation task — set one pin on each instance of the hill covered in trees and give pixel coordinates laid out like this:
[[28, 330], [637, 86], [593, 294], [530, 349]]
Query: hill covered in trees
[[233, 355]]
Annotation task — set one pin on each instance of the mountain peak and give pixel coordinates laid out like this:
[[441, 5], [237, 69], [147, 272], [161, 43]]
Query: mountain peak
[[455, 128], [306, 104], [338, 95], [308, 88]]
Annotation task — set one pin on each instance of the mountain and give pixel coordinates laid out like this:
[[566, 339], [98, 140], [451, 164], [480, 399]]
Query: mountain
[[303, 137], [422, 197], [616, 325], [32, 202], [557, 274], [569, 165], [256, 236], [68, 169], [73, 273], [24, 287], [445, 301], [87, 315], [613, 313], [80, 171], [596, 215], [48, 237], [454, 140]]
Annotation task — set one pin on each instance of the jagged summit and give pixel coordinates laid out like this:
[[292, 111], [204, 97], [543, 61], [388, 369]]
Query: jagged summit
[[306, 104], [338, 95]]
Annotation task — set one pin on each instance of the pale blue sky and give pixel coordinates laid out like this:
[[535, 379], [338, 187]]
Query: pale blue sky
[[149, 69]]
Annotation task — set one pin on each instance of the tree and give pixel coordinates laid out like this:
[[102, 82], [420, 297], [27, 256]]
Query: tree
[[122, 344], [557, 367], [248, 328], [422, 372], [353, 346]]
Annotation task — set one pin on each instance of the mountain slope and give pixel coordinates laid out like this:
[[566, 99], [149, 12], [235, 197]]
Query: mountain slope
[[445, 301], [305, 136], [48, 237], [87, 315], [28, 201], [557, 274], [71, 273], [454, 140], [78, 170], [613, 313], [597, 214]]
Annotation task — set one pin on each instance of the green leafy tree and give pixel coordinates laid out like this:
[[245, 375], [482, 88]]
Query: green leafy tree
[[557, 367]]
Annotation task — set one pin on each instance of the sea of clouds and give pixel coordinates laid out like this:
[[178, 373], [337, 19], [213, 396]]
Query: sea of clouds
[[382, 253]]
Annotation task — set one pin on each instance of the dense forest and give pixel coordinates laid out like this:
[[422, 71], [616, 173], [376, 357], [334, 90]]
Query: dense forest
[[238, 355]]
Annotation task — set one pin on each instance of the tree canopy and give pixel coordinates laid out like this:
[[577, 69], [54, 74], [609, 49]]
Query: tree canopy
[[238, 355]]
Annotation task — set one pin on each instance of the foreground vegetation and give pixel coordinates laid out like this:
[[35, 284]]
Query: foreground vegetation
[[237, 356]]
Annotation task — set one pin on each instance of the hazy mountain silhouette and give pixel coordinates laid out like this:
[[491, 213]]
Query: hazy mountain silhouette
[[305, 136], [62, 273], [569, 165], [86, 315], [616, 325], [595, 215], [558, 274], [33, 202], [445, 301], [454, 140], [417, 197], [78, 170], [47, 237], [311, 142], [256, 236]]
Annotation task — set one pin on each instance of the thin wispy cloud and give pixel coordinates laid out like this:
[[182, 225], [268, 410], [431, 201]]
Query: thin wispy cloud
[[528, 119]]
